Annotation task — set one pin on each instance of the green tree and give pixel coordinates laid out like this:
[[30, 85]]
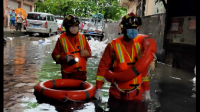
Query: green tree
[[82, 8]]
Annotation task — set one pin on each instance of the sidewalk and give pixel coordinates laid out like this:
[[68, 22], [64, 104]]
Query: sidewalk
[[14, 34]]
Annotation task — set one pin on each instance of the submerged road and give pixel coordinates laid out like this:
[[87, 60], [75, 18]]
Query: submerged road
[[27, 62]]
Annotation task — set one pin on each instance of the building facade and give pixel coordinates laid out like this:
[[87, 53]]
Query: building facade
[[144, 7], [27, 5]]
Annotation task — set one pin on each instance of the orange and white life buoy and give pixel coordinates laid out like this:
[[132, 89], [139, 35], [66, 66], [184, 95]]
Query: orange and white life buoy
[[48, 89], [142, 64]]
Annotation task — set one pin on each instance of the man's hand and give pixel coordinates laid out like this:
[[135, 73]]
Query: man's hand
[[84, 53], [147, 95], [98, 94], [68, 58]]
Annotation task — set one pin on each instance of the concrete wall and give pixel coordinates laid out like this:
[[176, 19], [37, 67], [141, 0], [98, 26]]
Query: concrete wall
[[151, 25], [186, 35], [181, 44], [154, 26], [112, 31]]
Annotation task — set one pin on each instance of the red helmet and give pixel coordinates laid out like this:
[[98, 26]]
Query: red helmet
[[130, 19], [70, 20]]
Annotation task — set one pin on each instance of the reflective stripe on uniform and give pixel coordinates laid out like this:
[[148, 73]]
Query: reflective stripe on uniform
[[68, 18], [99, 78], [63, 28], [127, 16], [65, 45], [138, 50], [113, 54], [111, 45], [145, 79], [57, 58], [119, 51], [81, 42], [128, 53]]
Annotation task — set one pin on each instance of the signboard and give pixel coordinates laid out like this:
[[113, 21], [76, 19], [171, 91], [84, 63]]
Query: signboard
[[176, 25], [192, 24]]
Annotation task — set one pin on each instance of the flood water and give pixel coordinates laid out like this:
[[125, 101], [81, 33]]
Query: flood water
[[26, 62]]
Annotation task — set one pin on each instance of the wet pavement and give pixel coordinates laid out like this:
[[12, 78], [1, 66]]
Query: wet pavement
[[27, 62]]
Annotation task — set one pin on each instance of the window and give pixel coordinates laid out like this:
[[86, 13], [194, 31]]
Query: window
[[37, 17], [48, 18], [52, 18], [99, 22], [59, 21]]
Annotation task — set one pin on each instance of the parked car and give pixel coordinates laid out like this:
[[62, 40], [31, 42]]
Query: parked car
[[95, 28], [86, 23], [60, 22], [42, 23]]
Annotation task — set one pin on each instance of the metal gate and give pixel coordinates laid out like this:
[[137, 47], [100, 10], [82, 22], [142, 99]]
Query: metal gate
[[26, 8], [13, 4]]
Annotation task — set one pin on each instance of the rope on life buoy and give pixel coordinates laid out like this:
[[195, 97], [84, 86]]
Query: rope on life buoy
[[154, 59]]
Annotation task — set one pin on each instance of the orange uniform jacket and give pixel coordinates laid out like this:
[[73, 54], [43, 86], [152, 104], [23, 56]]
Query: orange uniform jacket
[[106, 61], [58, 54]]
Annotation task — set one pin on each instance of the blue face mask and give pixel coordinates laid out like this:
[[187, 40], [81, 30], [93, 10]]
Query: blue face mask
[[132, 33]]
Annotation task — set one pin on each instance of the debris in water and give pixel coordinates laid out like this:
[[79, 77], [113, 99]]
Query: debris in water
[[40, 41], [194, 95], [174, 77], [10, 38], [24, 84]]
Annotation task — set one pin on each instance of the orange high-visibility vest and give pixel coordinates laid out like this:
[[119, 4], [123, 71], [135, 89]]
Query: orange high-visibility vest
[[124, 61], [70, 50]]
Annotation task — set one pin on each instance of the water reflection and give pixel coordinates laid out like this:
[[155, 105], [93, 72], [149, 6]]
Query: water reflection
[[19, 59]]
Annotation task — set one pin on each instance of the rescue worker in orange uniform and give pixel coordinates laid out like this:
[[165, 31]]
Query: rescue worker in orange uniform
[[120, 54], [72, 51]]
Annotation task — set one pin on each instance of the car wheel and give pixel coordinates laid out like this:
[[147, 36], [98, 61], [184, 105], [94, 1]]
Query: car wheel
[[40, 34], [56, 32], [30, 33], [101, 38], [49, 34]]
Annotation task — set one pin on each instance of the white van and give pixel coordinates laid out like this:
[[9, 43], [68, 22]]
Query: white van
[[42, 23]]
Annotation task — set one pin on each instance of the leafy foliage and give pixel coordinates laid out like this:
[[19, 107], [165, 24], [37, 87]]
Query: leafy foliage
[[82, 8]]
